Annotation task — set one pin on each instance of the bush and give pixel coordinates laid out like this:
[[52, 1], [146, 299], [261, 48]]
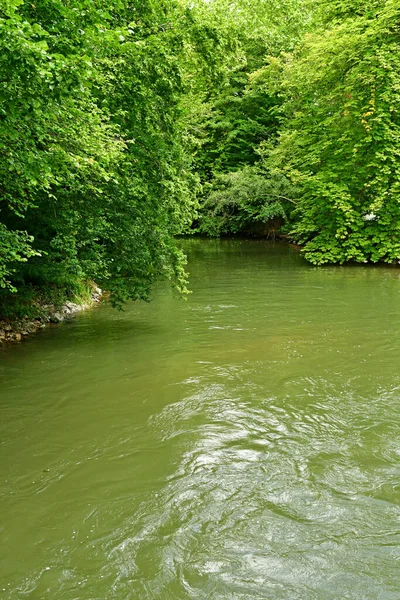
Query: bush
[[238, 202]]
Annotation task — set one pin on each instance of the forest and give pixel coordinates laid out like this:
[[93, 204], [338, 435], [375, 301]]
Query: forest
[[125, 124]]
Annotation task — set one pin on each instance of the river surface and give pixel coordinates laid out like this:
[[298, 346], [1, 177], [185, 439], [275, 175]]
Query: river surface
[[241, 444]]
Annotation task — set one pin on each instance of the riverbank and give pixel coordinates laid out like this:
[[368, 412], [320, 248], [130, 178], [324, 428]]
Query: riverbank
[[19, 329]]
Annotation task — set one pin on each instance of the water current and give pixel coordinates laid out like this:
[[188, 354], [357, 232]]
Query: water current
[[240, 444]]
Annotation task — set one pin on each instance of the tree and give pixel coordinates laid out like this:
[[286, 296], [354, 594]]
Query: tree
[[95, 180], [340, 142], [244, 112]]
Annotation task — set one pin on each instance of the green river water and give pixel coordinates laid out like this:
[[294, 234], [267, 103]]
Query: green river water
[[241, 444]]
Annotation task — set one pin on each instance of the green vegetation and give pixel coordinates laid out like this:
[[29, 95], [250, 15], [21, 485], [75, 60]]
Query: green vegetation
[[94, 169], [124, 123], [333, 152], [340, 140]]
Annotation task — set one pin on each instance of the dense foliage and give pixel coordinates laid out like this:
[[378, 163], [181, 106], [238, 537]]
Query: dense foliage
[[94, 170], [243, 116], [117, 118], [340, 140]]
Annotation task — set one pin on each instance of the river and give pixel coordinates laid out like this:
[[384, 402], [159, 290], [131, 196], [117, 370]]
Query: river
[[240, 444]]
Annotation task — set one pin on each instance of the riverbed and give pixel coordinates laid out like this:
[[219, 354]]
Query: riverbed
[[240, 444]]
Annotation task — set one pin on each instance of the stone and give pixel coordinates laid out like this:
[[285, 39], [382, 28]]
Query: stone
[[96, 293], [19, 329], [69, 306], [57, 317], [32, 327]]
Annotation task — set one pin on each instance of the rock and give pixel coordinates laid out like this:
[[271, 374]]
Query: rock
[[57, 317], [15, 331], [69, 306], [96, 294], [31, 327]]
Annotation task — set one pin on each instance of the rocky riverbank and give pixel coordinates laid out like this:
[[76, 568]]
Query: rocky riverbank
[[16, 331]]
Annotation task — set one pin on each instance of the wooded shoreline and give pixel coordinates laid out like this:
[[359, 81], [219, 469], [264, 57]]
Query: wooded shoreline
[[124, 124]]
